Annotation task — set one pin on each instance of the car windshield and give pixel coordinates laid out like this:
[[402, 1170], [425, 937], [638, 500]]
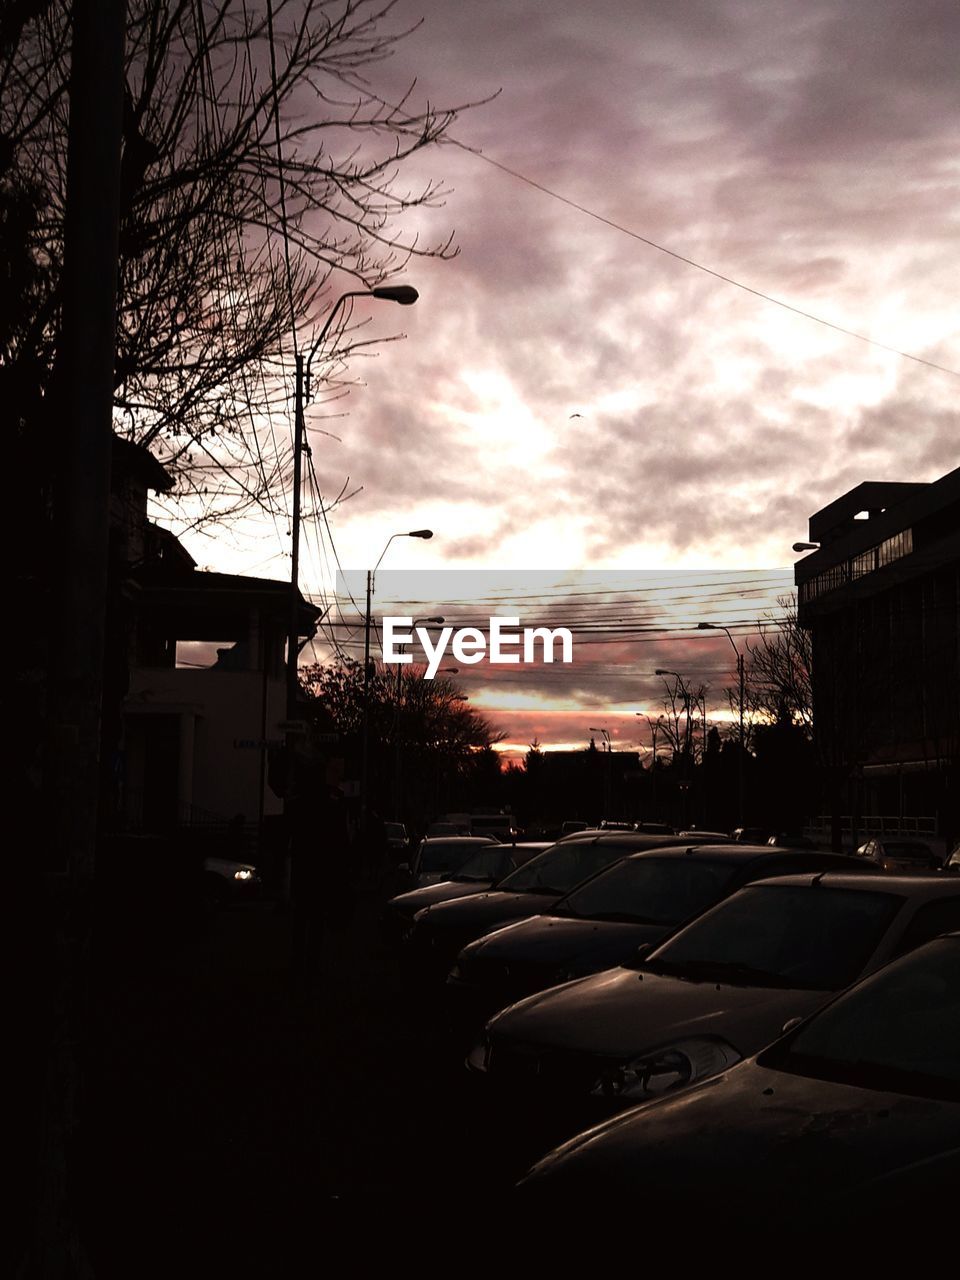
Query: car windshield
[[812, 937], [898, 1031], [489, 864], [650, 890], [559, 869], [447, 856]]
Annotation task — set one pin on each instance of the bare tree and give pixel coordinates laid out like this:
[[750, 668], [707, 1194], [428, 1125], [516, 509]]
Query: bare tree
[[260, 174], [680, 703], [778, 680]]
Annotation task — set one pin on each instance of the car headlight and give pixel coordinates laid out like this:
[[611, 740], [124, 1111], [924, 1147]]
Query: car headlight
[[245, 873], [662, 1070]]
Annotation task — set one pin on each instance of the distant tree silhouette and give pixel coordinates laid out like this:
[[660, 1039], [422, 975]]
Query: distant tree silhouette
[[443, 741]]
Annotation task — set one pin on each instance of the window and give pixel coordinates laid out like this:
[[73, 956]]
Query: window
[[895, 548]]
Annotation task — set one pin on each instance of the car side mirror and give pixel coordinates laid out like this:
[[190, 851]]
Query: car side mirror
[[643, 951], [789, 1025]]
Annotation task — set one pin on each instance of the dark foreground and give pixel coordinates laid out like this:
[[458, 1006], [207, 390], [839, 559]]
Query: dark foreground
[[235, 1112]]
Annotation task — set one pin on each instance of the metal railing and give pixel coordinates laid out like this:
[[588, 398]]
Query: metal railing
[[868, 825]]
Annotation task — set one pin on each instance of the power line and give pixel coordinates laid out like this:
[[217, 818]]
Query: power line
[[671, 253], [699, 266]]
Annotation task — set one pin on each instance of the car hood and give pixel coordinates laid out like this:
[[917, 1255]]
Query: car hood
[[621, 1013], [756, 1139], [483, 911], [555, 940], [410, 903]]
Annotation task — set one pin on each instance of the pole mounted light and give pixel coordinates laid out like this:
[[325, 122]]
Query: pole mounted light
[[403, 294], [806, 546], [371, 575]]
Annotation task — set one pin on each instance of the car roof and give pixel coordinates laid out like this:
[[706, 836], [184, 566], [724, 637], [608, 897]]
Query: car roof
[[905, 886], [675, 848], [459, 840], [638, 840]]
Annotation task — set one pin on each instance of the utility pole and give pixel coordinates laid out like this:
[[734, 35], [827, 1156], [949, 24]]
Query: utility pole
[[81, 427], [293, 629]]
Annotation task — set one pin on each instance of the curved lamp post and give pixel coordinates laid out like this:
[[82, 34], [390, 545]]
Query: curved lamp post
[[403, 294], [365, 748]]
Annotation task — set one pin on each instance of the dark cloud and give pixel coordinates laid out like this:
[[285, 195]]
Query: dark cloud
[[809, 151]]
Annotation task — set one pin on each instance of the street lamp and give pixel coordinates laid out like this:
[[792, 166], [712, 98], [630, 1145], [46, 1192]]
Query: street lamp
[[716, 626], [365, 748], [403, 294], [806, 546]]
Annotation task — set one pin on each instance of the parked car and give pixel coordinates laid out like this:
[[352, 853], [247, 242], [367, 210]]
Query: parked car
[[228, 880], [486, 868], [440, 857], [447, 829], [601, 923], [716, 991], [900, 855], [397, 839], [792, 840], [851, 1119], [441, 932], [503, 826], [751, 835]]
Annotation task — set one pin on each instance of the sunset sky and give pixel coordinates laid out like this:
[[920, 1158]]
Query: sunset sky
[[569, 397]]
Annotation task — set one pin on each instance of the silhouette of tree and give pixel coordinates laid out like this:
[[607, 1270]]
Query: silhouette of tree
[[260, 180], [778, 681], [434, 715]]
